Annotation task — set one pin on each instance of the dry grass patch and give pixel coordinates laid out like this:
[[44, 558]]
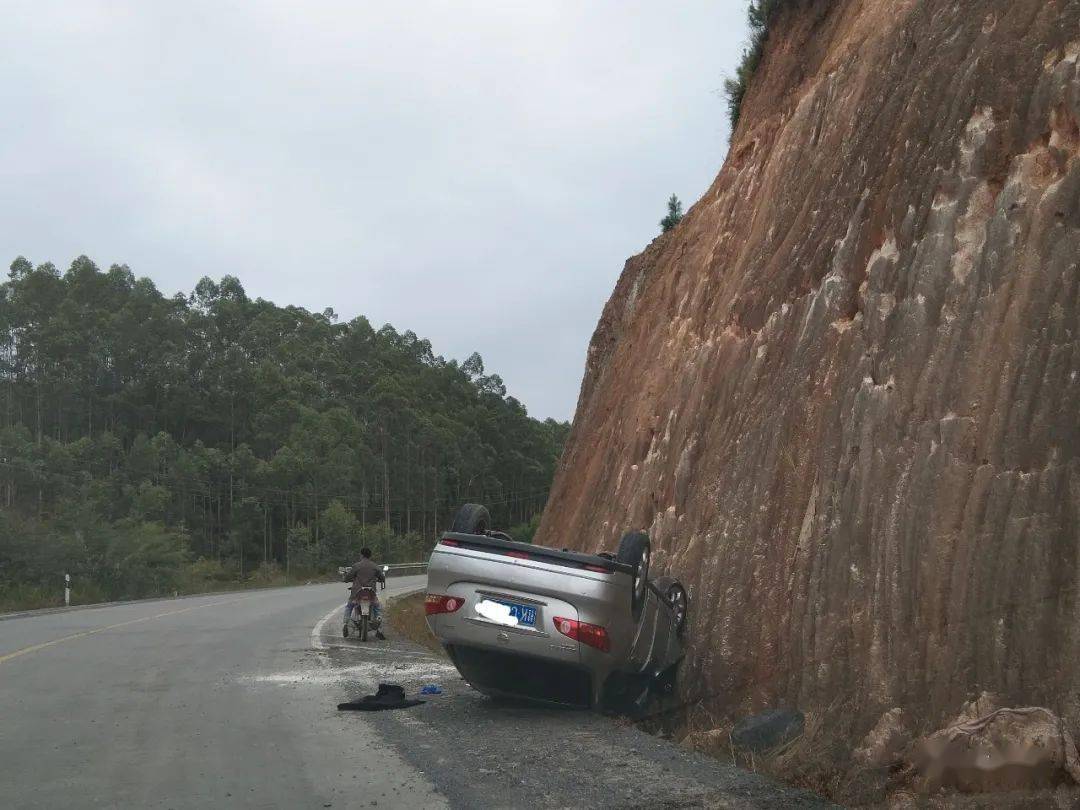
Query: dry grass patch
[[405, 615]]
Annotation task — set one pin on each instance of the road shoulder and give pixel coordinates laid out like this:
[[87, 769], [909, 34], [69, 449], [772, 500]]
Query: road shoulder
[[482, 753]]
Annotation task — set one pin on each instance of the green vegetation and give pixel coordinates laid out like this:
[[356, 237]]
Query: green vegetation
[[151, 444], [674, 214], [760, 14], [525, 532]]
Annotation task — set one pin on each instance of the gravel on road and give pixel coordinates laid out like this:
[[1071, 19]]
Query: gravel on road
[[479, 752]]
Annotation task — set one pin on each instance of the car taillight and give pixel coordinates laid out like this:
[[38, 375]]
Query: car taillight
[[597, 568], [440, 603], [592, 634], [521, 555], [446, 541]]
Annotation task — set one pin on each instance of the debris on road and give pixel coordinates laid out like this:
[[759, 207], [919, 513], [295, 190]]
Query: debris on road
[[388, 696], [431, 689], [631, 768]]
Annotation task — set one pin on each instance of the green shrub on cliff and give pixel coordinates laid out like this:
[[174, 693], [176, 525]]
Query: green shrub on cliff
[[760, 14]]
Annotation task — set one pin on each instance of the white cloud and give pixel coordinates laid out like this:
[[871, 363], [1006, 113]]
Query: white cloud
[[474, 171]]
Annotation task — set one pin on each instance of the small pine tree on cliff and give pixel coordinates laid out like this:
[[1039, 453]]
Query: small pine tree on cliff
[[674, 214]]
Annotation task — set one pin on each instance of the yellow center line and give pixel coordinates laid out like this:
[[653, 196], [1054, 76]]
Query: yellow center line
[[36, 647]]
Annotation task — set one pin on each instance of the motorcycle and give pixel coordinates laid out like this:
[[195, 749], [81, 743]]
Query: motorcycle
[[363, 618]]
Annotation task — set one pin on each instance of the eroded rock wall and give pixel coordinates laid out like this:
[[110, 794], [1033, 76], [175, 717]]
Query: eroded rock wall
[[842, 395]]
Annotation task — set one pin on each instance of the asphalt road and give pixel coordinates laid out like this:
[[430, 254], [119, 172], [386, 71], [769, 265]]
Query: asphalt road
[[230, 701], [214, 701]]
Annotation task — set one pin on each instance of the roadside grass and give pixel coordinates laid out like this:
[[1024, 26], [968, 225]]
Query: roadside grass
[[817, 760], [18, 597], [405, 615]]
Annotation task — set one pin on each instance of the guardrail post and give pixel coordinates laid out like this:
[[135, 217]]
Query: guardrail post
[[67, 590]]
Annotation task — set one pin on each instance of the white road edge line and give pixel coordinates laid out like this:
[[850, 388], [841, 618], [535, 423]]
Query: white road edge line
[[316, 632], [317, 642], [319, 645]]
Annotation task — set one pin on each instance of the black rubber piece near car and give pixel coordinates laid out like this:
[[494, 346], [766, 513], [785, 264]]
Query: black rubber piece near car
[[634, 550], [768, 730], [472, 518]]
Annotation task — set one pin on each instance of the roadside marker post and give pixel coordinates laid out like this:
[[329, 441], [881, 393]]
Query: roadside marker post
[[67, 590]]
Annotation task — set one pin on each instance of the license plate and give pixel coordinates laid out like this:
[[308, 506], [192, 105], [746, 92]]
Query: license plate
[[365, 608], [523, 613]]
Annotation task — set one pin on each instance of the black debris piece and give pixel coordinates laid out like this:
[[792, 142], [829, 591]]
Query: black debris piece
[[766, 731], [389, 696]]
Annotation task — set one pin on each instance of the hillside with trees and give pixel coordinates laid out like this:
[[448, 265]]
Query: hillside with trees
[[151, 444]]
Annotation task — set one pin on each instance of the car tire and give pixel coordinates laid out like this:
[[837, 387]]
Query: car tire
[[635, 551], [472, 518], [677, 598]]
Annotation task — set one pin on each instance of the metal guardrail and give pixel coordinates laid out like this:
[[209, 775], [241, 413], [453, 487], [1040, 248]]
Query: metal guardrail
[[406, 569], [396, 570]]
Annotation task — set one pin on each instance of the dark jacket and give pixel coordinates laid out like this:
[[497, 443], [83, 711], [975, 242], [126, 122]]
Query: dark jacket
[[365, 574]]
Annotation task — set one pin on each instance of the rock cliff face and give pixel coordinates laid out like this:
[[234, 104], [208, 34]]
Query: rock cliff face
[[842, 395]]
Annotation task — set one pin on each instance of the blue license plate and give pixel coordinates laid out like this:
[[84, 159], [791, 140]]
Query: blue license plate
[[523, 613]]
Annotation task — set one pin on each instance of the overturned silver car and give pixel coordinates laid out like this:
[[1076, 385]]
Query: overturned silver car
[[557, 627]]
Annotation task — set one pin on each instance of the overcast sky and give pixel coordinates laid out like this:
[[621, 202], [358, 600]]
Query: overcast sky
[[477, 172]]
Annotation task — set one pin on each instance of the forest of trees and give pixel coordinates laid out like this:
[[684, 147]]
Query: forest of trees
[[151, 443]]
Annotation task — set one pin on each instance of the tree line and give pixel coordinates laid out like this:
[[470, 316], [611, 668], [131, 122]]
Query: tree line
[[144, 438]]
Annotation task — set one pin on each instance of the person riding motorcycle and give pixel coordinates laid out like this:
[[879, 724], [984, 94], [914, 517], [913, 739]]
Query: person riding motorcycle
[[364, 574]]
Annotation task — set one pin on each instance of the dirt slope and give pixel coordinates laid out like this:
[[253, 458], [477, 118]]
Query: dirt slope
[[842, 394]]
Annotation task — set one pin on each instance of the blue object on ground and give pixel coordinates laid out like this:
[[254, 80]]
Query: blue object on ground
[[431, 689]]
